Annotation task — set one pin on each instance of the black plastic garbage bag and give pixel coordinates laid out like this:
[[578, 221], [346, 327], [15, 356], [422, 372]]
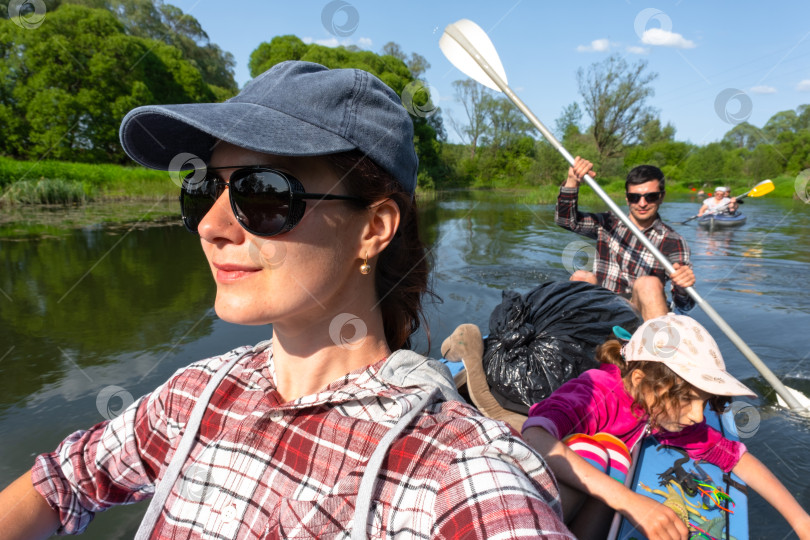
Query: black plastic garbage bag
[[539, 340]]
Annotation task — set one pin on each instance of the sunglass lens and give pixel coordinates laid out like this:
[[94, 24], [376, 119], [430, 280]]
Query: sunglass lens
[[653, 197], [196, 199], [261, 201]]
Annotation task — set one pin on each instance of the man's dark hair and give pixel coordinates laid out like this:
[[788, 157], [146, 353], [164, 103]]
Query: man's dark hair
[[645, 173]]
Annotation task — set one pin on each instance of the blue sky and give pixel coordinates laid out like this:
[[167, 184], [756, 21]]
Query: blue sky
[[715, 60]]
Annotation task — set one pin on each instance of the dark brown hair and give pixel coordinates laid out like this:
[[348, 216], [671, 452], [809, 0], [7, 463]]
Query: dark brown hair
[[643, 174], [659, 381], [402, 269]]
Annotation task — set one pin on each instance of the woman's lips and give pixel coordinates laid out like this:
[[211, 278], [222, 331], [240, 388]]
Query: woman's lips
[[234, 272]]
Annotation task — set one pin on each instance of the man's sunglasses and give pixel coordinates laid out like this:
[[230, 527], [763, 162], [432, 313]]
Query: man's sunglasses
[[266, 202], [651, 197]]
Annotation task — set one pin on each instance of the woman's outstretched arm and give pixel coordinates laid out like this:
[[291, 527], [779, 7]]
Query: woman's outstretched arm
[[24, 513]]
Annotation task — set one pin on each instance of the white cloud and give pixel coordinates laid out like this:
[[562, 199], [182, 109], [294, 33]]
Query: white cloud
[[665, 38], [363, 43], [803, 86], [597, 45], [762, 89], [637, 50], [331, 42]]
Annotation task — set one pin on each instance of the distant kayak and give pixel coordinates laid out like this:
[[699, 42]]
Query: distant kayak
[[721, 221]]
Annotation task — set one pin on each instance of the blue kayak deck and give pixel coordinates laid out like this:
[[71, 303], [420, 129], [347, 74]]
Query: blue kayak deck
[[653, 462]]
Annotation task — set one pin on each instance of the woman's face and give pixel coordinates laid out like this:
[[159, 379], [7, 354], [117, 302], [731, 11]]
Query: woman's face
[[298, 278]]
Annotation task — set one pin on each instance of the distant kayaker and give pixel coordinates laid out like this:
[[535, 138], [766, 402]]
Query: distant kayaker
[[719, 202], [622, 263], [303, 200]]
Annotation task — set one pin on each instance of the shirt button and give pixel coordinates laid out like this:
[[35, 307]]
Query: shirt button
[[276, 416], [229, 514]]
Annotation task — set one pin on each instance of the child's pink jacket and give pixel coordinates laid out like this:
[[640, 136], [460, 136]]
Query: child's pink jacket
[[596, 401]]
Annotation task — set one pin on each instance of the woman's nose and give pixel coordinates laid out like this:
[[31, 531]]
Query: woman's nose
[[219, 220]]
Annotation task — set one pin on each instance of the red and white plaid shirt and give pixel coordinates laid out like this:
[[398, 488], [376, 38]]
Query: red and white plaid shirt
[[265, 469], [620, 256]]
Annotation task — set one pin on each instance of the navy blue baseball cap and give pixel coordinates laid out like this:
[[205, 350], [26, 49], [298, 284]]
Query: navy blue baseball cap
[[293, 109]]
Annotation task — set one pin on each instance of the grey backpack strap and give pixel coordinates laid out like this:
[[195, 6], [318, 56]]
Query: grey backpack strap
[[166, 483], [366, 491], [406, 368]]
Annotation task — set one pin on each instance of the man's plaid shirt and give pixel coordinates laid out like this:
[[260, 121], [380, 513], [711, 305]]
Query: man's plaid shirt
[[265, 469], [620, 256]]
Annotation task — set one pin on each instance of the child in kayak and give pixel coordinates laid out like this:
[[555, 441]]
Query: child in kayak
[[657, 383]]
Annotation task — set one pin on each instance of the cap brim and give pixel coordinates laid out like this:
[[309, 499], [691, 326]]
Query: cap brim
[[714, 381], [154, 135]]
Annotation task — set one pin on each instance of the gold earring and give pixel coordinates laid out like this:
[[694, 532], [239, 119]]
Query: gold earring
[[365, 268]]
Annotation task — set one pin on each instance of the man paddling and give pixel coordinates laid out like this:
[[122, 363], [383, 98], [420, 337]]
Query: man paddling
[[622, 263]]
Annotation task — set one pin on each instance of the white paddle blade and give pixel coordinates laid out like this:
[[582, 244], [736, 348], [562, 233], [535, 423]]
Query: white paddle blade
[[803, 400], [465, 59]]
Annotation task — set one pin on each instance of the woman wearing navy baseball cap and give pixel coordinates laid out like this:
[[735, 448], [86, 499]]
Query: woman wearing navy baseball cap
[[301, 192]]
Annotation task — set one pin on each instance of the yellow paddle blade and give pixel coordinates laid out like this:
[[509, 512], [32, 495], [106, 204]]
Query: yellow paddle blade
[[764, 187]]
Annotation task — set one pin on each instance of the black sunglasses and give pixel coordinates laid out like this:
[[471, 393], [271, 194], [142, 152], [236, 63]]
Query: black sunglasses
[[266, 202], [651, 197]]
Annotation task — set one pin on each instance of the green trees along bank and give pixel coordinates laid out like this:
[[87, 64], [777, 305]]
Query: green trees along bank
[[617, 130], [66, 85]]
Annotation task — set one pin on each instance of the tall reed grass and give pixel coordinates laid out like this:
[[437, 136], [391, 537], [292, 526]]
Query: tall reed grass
[[60, 182], [48, 191]]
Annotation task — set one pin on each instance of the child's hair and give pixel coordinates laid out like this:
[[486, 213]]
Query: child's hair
[[659, 381]]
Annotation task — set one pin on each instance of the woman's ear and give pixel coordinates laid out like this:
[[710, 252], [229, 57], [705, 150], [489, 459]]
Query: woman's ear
[[382, 225]]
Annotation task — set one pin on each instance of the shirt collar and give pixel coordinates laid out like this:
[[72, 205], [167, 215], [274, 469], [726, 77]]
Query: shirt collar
[[362, 384], [657, 225]]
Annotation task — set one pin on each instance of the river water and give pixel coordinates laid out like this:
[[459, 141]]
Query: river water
[[99, 316]]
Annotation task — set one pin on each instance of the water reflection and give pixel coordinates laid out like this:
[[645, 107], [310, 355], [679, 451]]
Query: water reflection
[[100, 308], [716, 242], [88, 299]]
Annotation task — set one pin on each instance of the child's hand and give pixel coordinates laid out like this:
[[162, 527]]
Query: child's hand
[[654, 519]]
